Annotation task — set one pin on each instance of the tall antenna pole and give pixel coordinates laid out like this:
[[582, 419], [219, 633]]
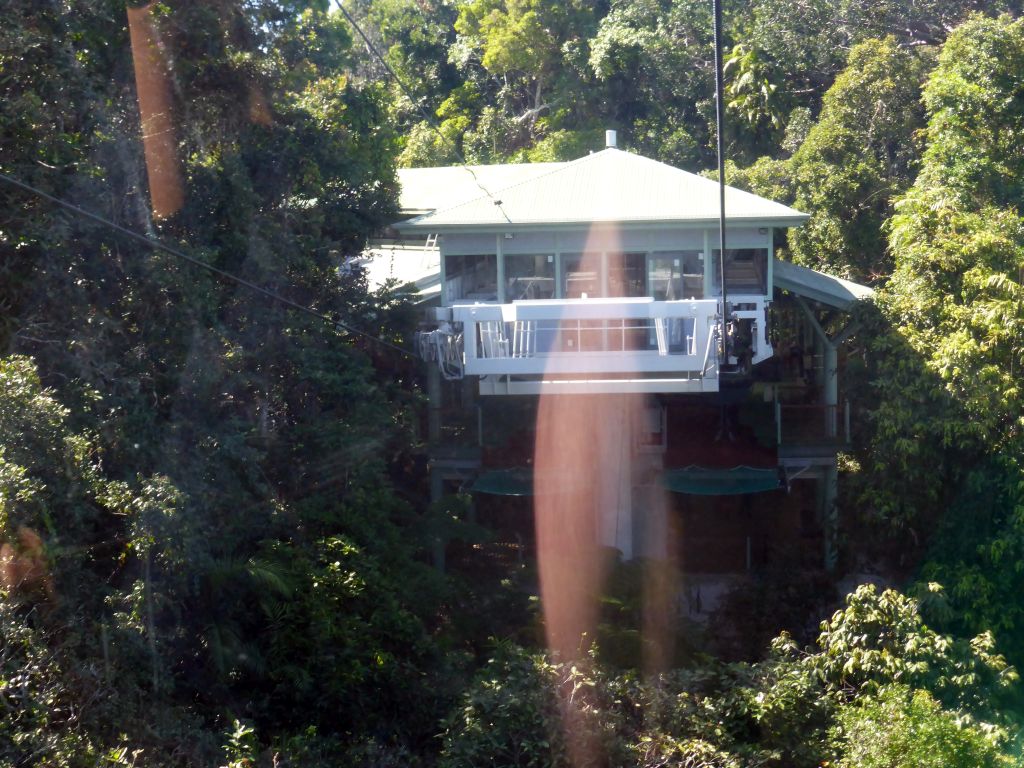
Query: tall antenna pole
[[719, 126]]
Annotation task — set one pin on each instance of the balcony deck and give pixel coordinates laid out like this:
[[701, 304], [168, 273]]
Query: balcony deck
[[621, 344]]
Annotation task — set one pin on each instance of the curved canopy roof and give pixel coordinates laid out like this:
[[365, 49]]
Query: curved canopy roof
[[817, 286], [610, 186]]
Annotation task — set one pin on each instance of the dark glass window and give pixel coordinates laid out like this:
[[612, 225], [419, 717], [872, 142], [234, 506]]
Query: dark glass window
[[581, 275], [471, 278], [746, 270], [529, 276], [677, 275], [627, 274]]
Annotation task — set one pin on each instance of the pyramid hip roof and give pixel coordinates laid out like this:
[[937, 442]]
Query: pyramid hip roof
[[610, 186]]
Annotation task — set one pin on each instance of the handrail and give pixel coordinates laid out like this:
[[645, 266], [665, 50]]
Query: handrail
[[611, 336], [712, 336]]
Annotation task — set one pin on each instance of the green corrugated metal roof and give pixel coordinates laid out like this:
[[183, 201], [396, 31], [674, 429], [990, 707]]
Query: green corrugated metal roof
[[702, 481], [429, 189], [606, 186]]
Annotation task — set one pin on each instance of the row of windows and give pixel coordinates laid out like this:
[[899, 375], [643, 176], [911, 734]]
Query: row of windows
[[665, 276]]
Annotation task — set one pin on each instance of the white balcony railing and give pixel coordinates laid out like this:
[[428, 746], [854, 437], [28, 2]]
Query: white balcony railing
[[587, 336]]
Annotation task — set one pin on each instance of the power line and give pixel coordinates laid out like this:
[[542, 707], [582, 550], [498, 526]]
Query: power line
[[224, 275], [428, 118]]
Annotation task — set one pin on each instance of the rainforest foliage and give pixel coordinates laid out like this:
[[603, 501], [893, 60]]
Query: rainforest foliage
[[215, 544]]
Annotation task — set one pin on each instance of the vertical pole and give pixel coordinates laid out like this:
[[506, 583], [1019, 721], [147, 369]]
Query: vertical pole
[[719, 126], [446, 300]]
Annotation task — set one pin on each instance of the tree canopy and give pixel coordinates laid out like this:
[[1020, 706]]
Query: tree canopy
[[213, 528]]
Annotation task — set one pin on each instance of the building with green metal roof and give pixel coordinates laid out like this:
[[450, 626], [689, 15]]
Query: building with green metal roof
[[601, 277]]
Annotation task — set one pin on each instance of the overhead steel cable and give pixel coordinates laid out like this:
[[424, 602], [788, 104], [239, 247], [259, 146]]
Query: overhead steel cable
[[720, 136], [419, 108], [223, 274]]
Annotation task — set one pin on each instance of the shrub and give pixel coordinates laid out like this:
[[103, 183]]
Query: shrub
[[905, 728], [524, 710]]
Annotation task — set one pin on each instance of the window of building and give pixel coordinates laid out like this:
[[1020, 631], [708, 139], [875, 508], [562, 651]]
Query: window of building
[[627, 274], [677, 275], [471, 278], [746, 270], [529, 276], [581, 275]]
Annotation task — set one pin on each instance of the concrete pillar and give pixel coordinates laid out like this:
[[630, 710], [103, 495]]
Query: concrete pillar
[[830, 515], [650, 525], [830, 387], [615, 479], [500, 265]]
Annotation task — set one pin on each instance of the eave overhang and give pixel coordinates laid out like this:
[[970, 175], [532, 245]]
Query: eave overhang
[[423, 224], [817, 286]]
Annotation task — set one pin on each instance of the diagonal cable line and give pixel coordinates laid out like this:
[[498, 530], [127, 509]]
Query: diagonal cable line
[[224, 275], [419, 108]]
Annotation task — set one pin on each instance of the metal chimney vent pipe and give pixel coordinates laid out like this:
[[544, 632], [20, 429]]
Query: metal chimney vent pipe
[[610, 139]]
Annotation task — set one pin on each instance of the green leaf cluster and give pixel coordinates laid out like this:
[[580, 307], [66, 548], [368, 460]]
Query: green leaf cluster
[[878, 684]]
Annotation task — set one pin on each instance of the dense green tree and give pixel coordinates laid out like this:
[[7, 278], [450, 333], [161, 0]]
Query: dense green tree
[[904, 728], [849, 165], [975, 551], [414, 38], [800, 707], [861, 153], [806, 44], [523, 63], [205, 496], [268, 572], [66, 533], [946, 450], [656, 61], [953, 299]]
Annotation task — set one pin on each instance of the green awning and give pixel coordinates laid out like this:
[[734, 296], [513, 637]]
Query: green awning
[[517, 481], [702, 481]]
